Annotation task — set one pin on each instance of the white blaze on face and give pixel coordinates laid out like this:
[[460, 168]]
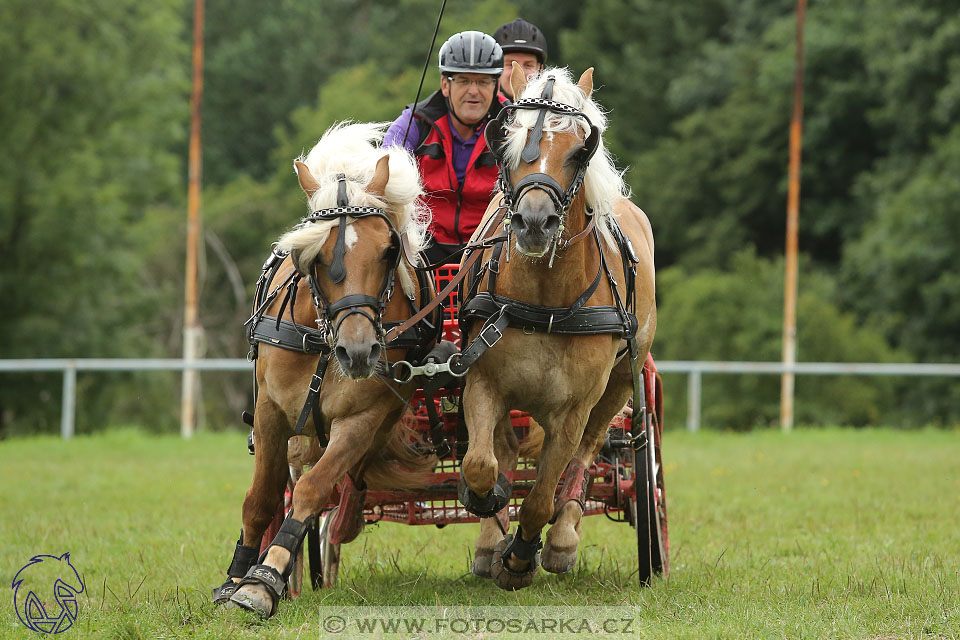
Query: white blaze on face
[[543, 157], [350, 236]]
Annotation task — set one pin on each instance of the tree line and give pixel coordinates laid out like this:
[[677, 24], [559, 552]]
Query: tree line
[[93, 181]]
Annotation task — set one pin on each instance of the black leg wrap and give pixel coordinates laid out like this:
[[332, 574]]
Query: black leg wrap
[[243, 559], [486, 507], [521, 549], [290, 536]]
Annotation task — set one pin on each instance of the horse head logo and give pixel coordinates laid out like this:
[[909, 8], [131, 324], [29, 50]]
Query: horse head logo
[[46, 580]]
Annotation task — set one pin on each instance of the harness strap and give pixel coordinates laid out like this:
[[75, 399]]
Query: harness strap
[[583, 234], [285, 334], [440, 353], [587, 321], [532, 151], [312, 406], [337, 270], [489, 335], [352, 300], [476, 250]]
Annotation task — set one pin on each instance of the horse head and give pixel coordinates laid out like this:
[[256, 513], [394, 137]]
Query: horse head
[[349, 254], [544, 152]]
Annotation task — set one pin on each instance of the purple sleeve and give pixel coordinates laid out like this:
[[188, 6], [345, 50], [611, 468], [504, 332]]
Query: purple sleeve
[[394, 135]]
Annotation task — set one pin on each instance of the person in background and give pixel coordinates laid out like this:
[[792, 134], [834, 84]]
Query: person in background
[[524, 44], [445, 133]]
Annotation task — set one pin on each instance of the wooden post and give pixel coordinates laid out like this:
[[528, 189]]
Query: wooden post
[[192, 331], [793, 211]]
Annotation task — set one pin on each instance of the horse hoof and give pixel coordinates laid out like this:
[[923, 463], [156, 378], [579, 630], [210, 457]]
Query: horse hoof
[[255, 598], [481, 563], [506, 578], [558, 561]]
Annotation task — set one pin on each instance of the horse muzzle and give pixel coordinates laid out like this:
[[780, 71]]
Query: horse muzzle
[[358, 361], [535, 229]]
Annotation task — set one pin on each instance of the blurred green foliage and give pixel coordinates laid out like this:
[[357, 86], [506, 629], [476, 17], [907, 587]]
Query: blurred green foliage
[[94, 114]]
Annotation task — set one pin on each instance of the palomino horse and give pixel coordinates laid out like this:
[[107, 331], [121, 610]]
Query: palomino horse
[[364, 204], [568, 343]]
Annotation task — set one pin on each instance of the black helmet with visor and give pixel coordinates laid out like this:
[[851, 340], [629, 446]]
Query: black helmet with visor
[[520, 36]]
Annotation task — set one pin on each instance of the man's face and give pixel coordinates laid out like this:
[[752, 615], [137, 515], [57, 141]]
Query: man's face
[[470, 94], [527, 61]]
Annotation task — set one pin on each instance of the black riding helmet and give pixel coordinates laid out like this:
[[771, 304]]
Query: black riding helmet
[[471, 52], [523, 37]]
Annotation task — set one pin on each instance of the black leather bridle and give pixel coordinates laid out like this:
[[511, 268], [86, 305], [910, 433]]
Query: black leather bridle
[[354, 303], [496, 134]]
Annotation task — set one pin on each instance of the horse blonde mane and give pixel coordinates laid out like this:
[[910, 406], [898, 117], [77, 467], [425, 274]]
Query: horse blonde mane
[[353, 149], [603, 183]]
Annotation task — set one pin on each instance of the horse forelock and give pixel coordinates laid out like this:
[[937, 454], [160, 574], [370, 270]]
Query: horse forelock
[[353, 149], [603, 183]]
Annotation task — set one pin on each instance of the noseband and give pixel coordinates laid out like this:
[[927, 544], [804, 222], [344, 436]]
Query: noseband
[[512, 194], [337, 271]]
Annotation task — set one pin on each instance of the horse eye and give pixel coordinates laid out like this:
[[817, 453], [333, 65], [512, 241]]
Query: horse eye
[[390, 254]]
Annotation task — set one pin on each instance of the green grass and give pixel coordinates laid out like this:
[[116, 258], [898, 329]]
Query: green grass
[[819, 534]]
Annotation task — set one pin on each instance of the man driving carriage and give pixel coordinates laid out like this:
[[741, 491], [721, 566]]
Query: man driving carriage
[[458, 170]]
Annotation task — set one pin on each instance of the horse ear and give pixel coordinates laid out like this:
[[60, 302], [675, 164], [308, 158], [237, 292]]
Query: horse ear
[[378, 185], [586, 82], [518, 80], [307, 182]]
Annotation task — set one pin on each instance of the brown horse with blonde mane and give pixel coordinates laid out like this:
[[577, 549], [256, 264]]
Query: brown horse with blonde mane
[[568, 303], [346, 280]]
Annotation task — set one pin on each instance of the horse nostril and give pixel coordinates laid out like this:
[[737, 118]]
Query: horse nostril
[[343, 356], [552, 224], [374, 354], [517, 222]]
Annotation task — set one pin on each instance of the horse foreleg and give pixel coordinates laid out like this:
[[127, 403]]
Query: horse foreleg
[[492, 529], [264, 495], [563, 538], [516, 558], [350, 439], [483, 492]]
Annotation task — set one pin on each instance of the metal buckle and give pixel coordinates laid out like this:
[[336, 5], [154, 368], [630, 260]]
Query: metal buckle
[[483, 335], [639, 441], [319, 382]]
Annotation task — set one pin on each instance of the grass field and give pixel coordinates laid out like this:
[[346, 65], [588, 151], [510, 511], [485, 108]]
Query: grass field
[[819, 534]]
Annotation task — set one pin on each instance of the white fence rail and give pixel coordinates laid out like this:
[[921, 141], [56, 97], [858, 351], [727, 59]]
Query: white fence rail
[[693, 368]]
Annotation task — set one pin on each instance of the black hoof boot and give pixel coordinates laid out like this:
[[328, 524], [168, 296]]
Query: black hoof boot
[[488, 506], [505, 577]]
